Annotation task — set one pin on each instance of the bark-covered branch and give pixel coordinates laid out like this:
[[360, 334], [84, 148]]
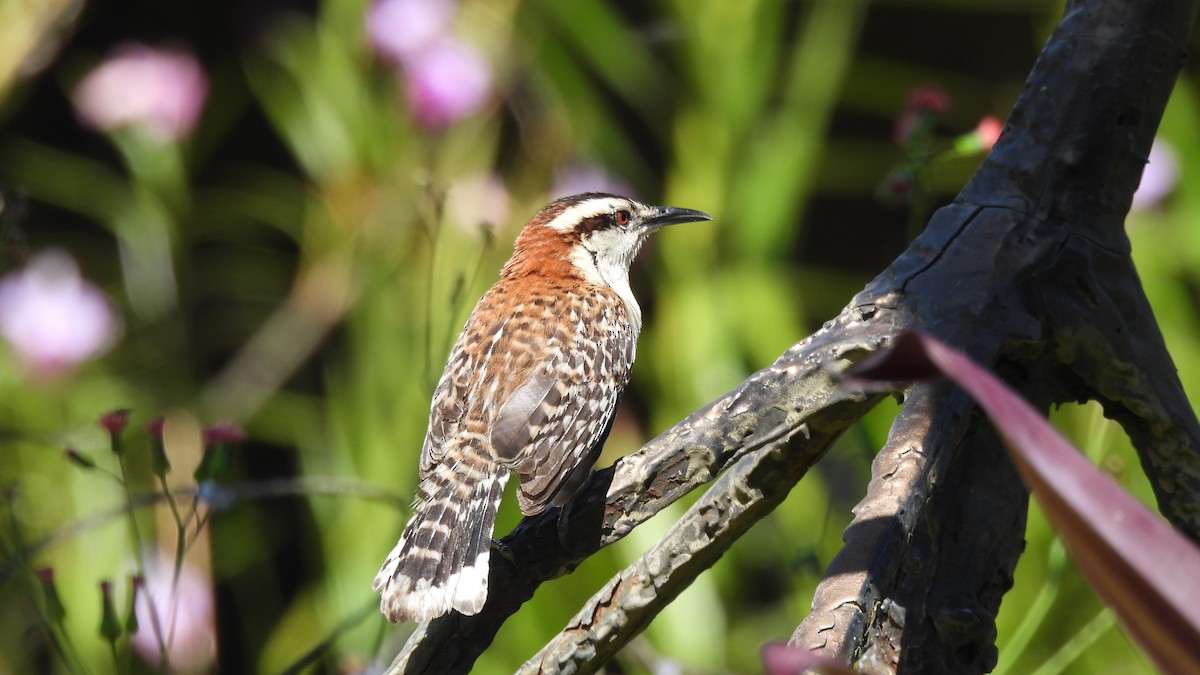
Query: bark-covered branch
[[745, 493], [1029, 272], [903, 476]]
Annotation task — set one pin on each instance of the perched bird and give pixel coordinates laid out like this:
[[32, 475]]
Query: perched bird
[[531, 387]]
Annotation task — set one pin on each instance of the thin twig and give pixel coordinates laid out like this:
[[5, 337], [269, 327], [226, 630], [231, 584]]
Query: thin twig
[[219, 496]]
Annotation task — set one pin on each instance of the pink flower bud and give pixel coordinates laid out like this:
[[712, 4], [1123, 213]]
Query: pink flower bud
[[110, 626], [988, 131], [929, 98], [225, 432], [79, 459], [55, 611], [136, 583], [155, 426], [446, 82], [115, 421], [156, 90], [578, 177], [53, 319], [896, 190], [398, 29]]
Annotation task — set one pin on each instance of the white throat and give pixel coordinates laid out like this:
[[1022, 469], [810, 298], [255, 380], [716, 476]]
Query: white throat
[[604, 259]]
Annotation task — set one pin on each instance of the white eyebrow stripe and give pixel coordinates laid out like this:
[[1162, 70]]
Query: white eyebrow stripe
[[588, 208]]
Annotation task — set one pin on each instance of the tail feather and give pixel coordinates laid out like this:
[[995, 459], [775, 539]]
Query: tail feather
[[460, 555], [476, 544], [441, 560]]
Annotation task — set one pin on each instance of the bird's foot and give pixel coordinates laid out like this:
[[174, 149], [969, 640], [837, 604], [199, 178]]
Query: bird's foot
[[564, 526], [500, 548]]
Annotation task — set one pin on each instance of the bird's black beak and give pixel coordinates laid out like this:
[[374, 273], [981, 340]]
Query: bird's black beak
[[669, 215]]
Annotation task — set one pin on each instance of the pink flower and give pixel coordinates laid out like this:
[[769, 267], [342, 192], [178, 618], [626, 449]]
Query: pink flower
[[1159, 177], [446, 81], [929, 98], [981, 138], [183, 616], [158, 91], [155, 426], [583, 177], [988, 131], [399, 29], [922, 104], [225, 432], [115, 421], [53, 319]]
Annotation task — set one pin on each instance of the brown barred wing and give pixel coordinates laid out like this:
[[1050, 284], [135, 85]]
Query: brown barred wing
[[447, 410], [569, 426]]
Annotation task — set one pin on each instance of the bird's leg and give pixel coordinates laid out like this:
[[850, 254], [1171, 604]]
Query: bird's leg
[[565, 510], [502, 549], [564, 521]]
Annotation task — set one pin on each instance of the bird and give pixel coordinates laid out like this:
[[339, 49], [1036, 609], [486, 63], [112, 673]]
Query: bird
[[531, 387]]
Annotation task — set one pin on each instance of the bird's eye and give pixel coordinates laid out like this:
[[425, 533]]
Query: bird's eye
[[622, 217]]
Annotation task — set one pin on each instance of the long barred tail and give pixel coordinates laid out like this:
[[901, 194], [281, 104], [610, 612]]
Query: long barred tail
[[441, 560]]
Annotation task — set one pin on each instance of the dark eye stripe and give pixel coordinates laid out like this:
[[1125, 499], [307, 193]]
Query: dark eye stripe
[[589, 225]]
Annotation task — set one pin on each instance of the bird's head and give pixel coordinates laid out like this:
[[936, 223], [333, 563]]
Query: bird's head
[[592, 236]]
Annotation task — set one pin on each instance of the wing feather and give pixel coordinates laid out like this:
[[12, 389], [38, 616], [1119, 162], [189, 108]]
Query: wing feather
[[570, 425]]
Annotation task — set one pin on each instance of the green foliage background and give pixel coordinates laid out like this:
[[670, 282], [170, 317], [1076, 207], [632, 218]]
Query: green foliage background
[[319, 288]]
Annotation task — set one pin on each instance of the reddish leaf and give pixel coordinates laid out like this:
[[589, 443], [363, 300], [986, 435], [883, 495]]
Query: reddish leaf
[[1148, 573]]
